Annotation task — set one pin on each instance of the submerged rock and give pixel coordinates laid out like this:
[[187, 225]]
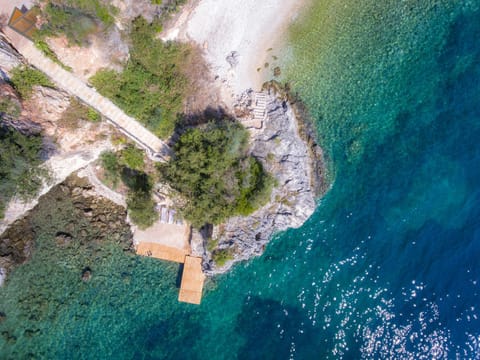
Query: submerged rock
[[71, 213], [86, 274]]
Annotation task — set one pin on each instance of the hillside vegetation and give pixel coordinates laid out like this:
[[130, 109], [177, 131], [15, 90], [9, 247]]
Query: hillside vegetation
[[20, 173], [153, 84]]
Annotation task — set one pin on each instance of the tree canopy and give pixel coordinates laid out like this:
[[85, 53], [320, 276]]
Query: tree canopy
[[213, 175]]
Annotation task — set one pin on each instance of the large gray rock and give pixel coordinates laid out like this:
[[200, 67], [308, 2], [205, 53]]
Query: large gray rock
[[284, 151]]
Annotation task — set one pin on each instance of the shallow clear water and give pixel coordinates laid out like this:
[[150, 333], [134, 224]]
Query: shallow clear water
[[386, 267]]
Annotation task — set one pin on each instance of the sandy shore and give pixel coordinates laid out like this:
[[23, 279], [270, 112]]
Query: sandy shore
[[238, 37]]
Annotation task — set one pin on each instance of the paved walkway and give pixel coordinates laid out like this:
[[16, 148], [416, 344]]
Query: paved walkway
[[156, 149]]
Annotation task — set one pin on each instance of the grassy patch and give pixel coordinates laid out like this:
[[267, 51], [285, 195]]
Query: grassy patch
[[24, 78], [77, 112], [49, 53], [76, 19], [153, 84], [20, 172]]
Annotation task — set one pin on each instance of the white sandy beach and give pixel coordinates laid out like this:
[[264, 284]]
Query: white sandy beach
[[236, 36]]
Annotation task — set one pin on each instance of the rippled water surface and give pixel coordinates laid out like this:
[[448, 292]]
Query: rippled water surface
[[387, 267]]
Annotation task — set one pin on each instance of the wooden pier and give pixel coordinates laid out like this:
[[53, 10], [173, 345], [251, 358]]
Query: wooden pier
[[192, 281], [170, 242]]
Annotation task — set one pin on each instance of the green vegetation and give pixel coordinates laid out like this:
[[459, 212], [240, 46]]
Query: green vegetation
[[214, 176], [111, 166], [127, 165], [171, 6], [76, 112], [76, 19], [153, 85], [222, 256], [141, 209], [24, 78], [9, 107], [45, 49], [132, 157], [20, 173]]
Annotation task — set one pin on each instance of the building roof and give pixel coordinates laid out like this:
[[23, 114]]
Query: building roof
[[23, 21]]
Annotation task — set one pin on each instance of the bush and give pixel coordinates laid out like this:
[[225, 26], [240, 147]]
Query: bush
[[222, 256], [256, 186], [213, 175], [24, 78], [141, 209], [132, 157], [19, 165], [76, 19], [111, 167], [153, 85]]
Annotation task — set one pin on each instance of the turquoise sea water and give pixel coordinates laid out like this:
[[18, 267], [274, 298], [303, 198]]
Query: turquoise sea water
[[387, 267]]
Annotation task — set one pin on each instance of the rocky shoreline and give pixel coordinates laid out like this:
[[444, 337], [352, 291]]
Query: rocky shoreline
[[285, 145], [282, 139]]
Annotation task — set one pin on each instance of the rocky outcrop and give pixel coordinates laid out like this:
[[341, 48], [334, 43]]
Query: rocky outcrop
[[70, 212], [9, 57], [288, 153]]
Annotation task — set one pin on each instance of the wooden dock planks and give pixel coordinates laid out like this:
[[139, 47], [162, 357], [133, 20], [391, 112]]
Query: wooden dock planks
[[161, 252], [192, 281]]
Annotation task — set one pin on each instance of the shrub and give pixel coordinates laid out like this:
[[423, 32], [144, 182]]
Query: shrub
[[132, 157], [109, 162], [19, 165], [140, 205], [24, 78], [76, 19], [141, 209], [152, 86], [222, 256]]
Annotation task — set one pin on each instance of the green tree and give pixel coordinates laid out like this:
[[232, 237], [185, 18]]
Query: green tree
[[213, 174], [132, 157]]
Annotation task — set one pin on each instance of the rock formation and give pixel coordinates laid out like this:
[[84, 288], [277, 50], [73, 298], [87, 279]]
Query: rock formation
[[281, 144]]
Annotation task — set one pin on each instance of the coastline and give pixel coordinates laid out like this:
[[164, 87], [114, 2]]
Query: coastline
[[237, 37], [296, 161]]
